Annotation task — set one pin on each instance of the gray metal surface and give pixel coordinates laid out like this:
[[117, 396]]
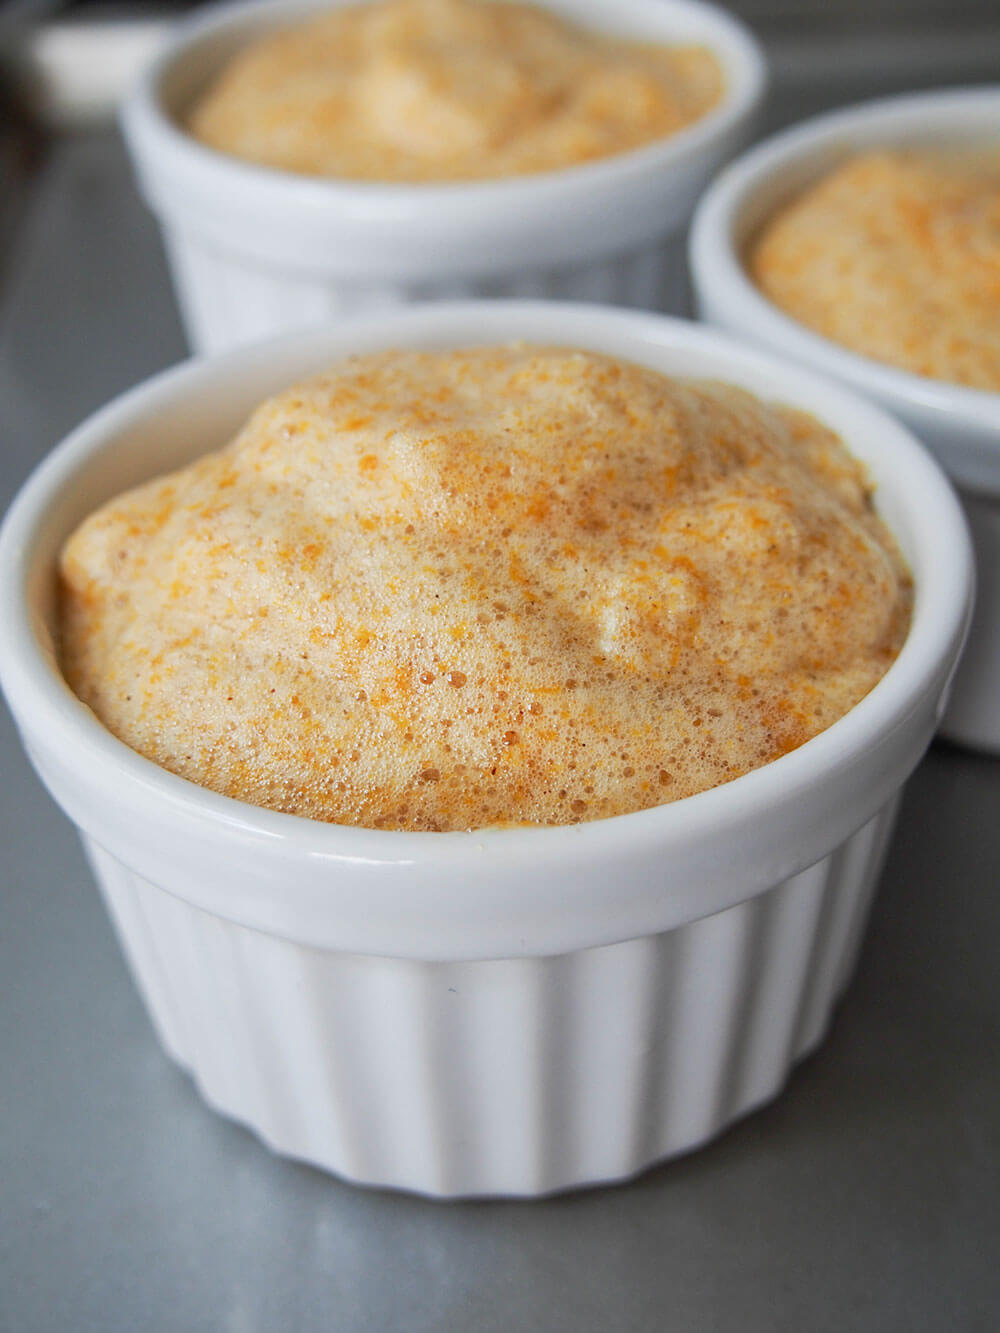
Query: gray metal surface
[[865, 1198]]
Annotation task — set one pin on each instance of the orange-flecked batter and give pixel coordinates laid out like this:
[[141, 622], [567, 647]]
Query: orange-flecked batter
[[489, 586], [897, 256], [448, 90]]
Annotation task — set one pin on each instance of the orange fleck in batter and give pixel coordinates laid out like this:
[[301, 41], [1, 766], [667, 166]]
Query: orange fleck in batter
[[707, 587]]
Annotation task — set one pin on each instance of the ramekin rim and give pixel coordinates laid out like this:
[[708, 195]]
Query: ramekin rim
[[716, 264], [29, 677], [144, 120]]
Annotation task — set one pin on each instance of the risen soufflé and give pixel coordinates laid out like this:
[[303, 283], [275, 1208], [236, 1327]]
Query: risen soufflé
[[896, 255], [490, 586], [439, 90]]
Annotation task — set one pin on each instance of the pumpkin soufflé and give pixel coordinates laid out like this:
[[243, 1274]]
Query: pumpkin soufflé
[[896, 255], [448, 90], [489, 586]]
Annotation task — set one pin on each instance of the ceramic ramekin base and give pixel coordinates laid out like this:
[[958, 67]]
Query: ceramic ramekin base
[[227, 300], [505, 1011], [518, 1076], [960, 425], [255, 252], [973, 714]]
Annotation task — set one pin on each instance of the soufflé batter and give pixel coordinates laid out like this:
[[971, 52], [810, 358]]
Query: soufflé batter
[[896, 255], [491, 586], [448, 90]]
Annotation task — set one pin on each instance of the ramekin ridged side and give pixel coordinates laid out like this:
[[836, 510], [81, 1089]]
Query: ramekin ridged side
[[960, 425], [226, 299], [515, 1076], [504, 1011], [255, 252]]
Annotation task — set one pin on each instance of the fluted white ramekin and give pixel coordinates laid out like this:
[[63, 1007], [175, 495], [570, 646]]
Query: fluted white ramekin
[[255, 252], [961, 425], [506, 1011]]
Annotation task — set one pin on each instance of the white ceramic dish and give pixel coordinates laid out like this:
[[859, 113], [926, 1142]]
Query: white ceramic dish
[[255, 252], [508, 1011], [961, 425]]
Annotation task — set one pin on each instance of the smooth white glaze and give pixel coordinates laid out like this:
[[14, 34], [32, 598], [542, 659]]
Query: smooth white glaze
[[272, 928], [960, 425]]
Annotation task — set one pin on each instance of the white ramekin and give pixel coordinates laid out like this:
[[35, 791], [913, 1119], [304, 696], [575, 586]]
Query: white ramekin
[[255, 252], [507, 1011], [961, 426]]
